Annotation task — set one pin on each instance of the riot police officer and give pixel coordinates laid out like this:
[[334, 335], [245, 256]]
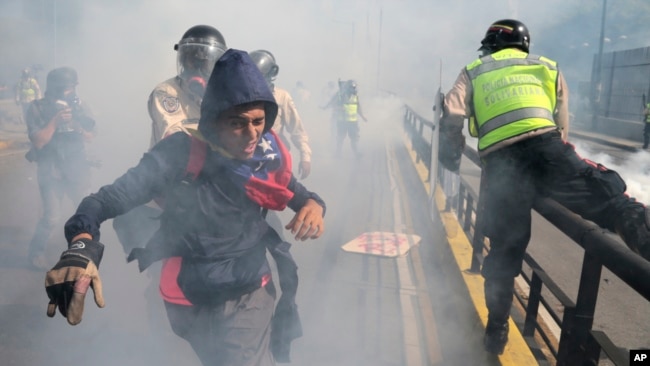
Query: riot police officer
[[27, 91], [288, 119], [174, 104], [516, 104]]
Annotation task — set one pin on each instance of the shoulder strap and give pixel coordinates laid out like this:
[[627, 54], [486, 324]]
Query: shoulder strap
[[198, 152]]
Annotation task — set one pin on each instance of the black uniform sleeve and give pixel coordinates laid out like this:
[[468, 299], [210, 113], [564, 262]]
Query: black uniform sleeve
[[156, 171], [301, 195]]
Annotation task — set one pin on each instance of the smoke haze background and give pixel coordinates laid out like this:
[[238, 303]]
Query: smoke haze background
[[398, 52]]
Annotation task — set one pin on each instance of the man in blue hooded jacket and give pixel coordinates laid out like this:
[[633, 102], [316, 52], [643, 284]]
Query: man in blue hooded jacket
[[216, 281]]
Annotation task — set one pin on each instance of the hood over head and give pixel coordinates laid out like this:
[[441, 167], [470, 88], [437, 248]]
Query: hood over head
[[235, 80]]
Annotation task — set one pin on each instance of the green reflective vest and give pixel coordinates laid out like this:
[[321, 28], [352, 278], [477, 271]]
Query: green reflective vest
[[514, 93], [27, 90], [350, 108], [647, 116]]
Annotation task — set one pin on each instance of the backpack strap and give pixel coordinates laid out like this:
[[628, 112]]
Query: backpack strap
[[198, 152], [169, 289]]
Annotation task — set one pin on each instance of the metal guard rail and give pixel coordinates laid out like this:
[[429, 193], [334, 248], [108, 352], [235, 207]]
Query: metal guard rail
[[578, 343]]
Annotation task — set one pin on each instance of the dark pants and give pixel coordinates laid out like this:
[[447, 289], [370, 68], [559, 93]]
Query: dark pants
[[646, 135], [345, 128], [234, 333], [515, 177]]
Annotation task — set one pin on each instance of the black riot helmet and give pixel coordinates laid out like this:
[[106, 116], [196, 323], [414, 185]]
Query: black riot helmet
[[60, 79], [198, 50], [505, 33], [265, 62], [351, 87]]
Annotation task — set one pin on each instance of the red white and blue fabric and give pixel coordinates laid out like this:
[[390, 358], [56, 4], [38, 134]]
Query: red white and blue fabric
[[266, 175]]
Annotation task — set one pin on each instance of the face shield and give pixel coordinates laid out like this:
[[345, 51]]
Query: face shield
[[488, 44], [197, 56]]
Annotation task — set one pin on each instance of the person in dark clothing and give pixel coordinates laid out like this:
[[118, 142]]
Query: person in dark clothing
[[215, 281], [58, 125], [517, 106]]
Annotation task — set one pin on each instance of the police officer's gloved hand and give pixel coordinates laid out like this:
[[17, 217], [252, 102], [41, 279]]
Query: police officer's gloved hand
[[68, 281], [451, 146]]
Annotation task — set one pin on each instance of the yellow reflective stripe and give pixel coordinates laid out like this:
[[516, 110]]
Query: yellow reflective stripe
[[491, 66], [513, 116]]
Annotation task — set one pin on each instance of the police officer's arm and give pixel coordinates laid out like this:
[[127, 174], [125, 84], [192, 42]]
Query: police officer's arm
[[293, 124], [457, 103], [310, 210], [561, 115], [456, 108], [164, 164]]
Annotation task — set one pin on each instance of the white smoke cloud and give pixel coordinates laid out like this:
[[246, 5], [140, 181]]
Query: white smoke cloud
[[398, 51], [634, 169]]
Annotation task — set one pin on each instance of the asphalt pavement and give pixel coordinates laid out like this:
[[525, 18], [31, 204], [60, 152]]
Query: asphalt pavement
[[13, 137]]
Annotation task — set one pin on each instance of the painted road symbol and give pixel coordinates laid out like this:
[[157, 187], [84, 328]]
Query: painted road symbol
[[381, 243]]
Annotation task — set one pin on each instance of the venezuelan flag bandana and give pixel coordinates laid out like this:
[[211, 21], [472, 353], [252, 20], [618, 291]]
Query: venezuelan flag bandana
[[265, 176]]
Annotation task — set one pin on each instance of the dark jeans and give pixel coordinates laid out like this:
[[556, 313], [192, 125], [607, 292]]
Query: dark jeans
[[234, 333], [515, 177]]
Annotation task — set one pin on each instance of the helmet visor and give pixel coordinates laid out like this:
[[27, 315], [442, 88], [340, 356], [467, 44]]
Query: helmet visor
[[197, 56]]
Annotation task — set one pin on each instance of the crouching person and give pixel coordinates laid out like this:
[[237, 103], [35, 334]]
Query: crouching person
[[216, 184]]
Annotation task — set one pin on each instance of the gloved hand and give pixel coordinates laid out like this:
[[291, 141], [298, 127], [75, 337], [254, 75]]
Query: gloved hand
[[68, 281], [450, 148]]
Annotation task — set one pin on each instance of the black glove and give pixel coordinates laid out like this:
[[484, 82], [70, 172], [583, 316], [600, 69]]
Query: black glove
[[450, 148], [68, 281]]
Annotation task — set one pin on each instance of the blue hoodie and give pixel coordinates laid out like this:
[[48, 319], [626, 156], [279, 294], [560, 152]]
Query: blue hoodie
[[235, 80], [220, 233]]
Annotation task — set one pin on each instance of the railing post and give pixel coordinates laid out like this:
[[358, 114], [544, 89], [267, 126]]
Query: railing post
[[469, 203], [583, 318], [534, 297], [479, 238]]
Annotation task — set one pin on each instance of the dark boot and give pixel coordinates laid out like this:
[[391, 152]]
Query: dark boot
[[496, 337], [498, 298], [633, 225]]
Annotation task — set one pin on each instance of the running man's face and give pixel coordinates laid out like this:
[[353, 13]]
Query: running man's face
[[238, 130]]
